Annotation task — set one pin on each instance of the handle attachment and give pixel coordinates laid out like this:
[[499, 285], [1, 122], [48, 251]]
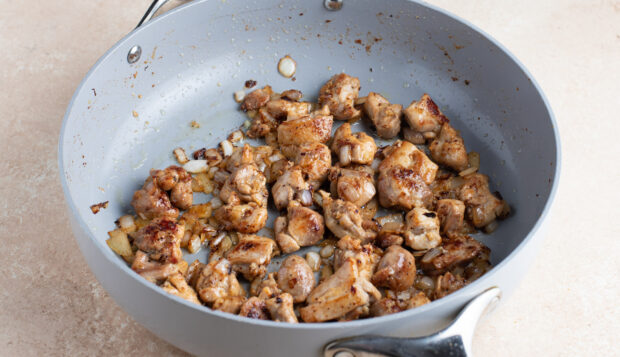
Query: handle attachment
[[150, 12], [454, 340]]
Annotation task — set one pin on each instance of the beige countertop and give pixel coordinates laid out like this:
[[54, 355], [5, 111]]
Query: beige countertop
[[51, 304]]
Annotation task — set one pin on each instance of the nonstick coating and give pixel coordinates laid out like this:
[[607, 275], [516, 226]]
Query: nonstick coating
[[125, 119]]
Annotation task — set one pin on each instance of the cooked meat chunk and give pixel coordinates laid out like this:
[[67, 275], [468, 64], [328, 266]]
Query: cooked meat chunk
[[151, 201], [161, 240], [314, 160], [422, 229], [218, 287], [482, 206], [424, 117], [241, 156], [455, 250], [305, 130], [256, 99], [450, 213], [355, 186], [358, 148], [292, 95], [281, 308], [343, 218], [152, 271], [301, 227], [447, 284], [413, 136], [384, 306], [266, 288], [403, 301], [405, 154], [247, 184], [276, 169], [176, 180], [243, 218], [251, 256], [396, 269], [337, 295], [282, 109], [262, 124], [291, 186], [385, 116], [255, 308], [296, 278], [339, 93], [176, 285], [449, 149], [364, 256]]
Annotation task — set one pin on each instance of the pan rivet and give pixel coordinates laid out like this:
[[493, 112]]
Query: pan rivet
[[333, 5], [134, 54]]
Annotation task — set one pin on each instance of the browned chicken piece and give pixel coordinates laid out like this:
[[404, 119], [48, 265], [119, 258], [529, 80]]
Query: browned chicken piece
[[243, 218], [246, 183], [449, 149], [305, 130], [405, 154], [256, 98], [251, 256], [243, 155], [266, 288], [396, 269], [337, 295], [355, 186], [314, 160], [176, 285], [358, 148], [422, 229], [482, 206], [292, 95], [151, 201], [401, 302], [161, 240], [218, 286], [282, 109], [424, 117], [291, 186], [281, 308], [364, 256], [255, 308], [344, 219], [446, 284], [262, 124], [455, 250], [418, 299], [193, 272], [385, 116], [384, 306], [450, 213], [152, 271], [276, 169], [301, 227], [413, 136], [296, 278], [179, 182], [339, 93]]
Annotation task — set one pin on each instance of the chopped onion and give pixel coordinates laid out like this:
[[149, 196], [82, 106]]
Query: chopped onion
[[430, 255], [196, 166], [235, 136], [180, 155], [360, 100], [239, 95], [216, 202], [491, 227], [314, 260], [474, 159], [127, 224], [468, 171], [344, 155], [287, 66], [305, 197], [327, 251], [227, 147]]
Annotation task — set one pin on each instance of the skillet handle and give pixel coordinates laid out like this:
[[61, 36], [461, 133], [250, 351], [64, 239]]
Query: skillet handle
[[454, 340], [150, 12]]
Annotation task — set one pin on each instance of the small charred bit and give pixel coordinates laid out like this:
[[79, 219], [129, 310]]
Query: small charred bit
[[250, 83], [199, 154], [256, 99], [98, 206]]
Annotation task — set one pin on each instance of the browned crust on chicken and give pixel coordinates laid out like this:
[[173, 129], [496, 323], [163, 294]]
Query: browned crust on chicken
[[256, 98], [305, 130], [358, 148], [449, 149], [301, 227], [161, 240], [339, 93], [251, 256], [385, 116], [355, 186], [424, 117], [296, 278]]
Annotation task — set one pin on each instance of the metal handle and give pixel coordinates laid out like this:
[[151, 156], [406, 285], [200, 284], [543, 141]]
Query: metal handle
[[454, 340], [150, 12]]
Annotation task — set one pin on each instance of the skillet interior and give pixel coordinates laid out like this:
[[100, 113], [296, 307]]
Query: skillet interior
[[194, 60]]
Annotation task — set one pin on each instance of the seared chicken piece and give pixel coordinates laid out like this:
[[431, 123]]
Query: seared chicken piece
[[281, 308], [337, 295], [449, 149], [151, 201], [291, 186], [401, 302], [243, 218], [364, 256], [251, 256], [255, 308], [447, 284], [314, 160], [339, 93], [301, 227], [305, 130], [276, 169], [396, 269], [282, 109], [355, 186], [424, 117], [384, 306], [218, 287], [482, 206], [241, 156], [422, 229], [357, 148], [405, 154], [385, 116], [152, 271], [161, 240], [344, 219], [293, 95], [247, 184], [176, 180], [262, 124], [296, 278], [176, 285], [256, 99], [450, 213], [455, 250]]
